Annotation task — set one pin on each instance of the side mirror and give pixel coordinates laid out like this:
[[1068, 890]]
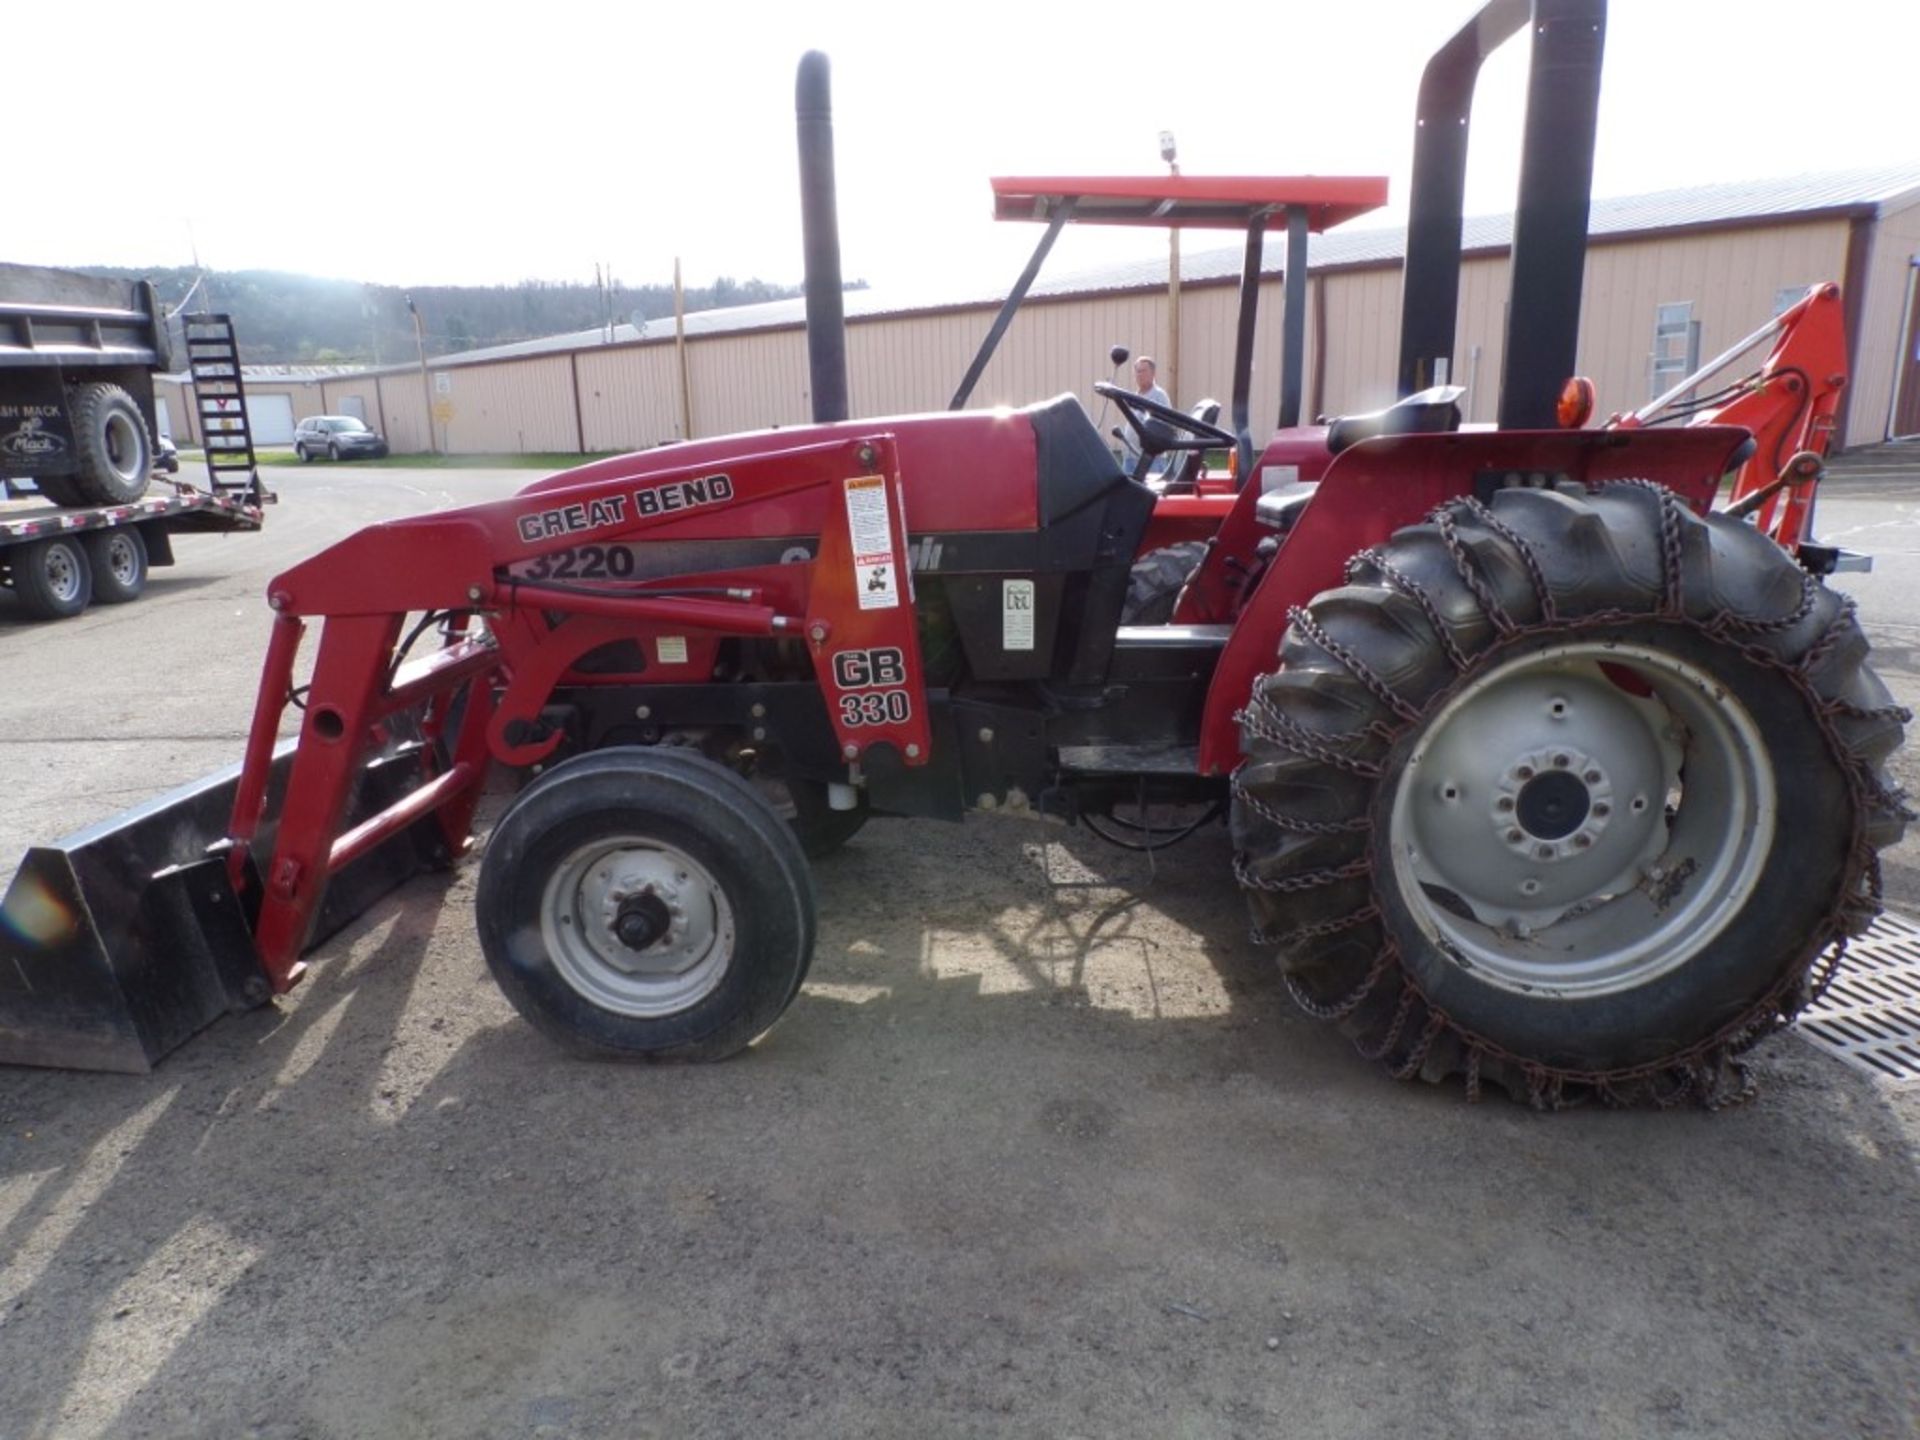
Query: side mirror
[[1119, 354]]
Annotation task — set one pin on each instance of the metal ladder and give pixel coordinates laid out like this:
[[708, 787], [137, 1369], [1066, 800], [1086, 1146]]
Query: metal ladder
[[220, 397]]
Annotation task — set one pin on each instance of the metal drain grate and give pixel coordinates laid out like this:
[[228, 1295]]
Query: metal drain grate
[[1870, 1015]]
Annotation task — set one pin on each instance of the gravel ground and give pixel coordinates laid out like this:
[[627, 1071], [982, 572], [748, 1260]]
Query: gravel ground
[[1041, 1149]]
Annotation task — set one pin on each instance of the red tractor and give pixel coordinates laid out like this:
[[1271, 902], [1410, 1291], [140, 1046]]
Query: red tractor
[[1540, 770]]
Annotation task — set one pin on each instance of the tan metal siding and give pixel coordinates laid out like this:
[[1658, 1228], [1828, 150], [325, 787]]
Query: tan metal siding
[[362, 388], [181, 421], [506, 409], [1730, 276], [1896, 240], [405, 407], [629, 399], [748, 382]]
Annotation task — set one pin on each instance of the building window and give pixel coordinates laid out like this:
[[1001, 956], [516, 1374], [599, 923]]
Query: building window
[[1676, 346]]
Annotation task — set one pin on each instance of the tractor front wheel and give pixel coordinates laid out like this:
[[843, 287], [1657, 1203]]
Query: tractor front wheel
[[1571, 792], [646, 903]]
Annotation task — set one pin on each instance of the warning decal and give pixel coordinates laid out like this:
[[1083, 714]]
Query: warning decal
[[1016, 614], [876, 577], [673, 649]]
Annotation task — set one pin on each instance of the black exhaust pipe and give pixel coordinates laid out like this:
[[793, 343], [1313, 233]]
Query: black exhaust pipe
[[820, 225], [1568, 39]]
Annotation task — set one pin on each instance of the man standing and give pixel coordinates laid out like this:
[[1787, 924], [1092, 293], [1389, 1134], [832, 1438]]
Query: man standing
[[1149, 389], [1143, 381]]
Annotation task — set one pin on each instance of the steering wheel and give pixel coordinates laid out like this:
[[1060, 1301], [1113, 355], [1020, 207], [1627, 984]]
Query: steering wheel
[[1138, 410]]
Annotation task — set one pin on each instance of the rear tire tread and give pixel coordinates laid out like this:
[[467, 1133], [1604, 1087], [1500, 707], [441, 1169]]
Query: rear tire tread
[[1318, 743]]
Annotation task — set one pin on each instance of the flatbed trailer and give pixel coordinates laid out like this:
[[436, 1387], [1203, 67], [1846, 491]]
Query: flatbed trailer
[[58, 560]]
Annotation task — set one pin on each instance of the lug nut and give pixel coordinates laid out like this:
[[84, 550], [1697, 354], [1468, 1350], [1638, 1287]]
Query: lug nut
[[1592, 777], [1503, 804], [1515, 837], [1525, 772], [1560, 762]]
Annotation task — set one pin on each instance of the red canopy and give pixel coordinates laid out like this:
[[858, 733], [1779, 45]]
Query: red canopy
[[1224, 202]]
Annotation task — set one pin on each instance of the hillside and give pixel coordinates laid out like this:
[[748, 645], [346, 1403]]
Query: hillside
[[290, 319]]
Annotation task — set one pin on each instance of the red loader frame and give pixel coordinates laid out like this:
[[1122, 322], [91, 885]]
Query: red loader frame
[[852, 604]]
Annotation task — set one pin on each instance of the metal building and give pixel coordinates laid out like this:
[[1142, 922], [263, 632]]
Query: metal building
[[1671, 278]]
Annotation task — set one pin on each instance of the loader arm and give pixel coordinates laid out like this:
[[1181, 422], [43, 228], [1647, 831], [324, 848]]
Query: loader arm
[[851, 604]]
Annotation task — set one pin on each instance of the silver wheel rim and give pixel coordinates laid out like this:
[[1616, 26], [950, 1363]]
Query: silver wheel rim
[[62, 571], [1559, 834], [122, 563], [126, 455], [584, 900]]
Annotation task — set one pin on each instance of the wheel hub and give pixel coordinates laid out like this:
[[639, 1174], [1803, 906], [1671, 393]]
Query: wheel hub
[[63, 575], [641, 928], [1593, 792], [1553, 802], [1552, 806]]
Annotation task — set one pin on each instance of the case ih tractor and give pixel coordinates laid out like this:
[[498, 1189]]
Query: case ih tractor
[[1540, 770]]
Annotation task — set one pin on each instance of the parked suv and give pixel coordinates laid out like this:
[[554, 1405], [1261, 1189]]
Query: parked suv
[[338, 437]]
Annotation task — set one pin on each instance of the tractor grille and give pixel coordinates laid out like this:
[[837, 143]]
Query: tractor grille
[[1870, 1015]]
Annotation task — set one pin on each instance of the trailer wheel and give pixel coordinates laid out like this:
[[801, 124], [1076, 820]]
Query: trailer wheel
[[646, 903], [1155, 582], [52, 577], [119, 561], [110, 434], [1571, 793]]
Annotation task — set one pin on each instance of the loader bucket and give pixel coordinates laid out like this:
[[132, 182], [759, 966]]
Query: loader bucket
[[121, 941]]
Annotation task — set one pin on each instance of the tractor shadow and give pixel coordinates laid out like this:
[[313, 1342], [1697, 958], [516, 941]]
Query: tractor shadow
[[1042, 1137]]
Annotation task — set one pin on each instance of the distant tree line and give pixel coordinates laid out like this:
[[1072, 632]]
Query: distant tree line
[[285, 319]]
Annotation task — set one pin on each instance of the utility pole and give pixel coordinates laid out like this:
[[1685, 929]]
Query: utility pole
[[426, 388], [680, 352], [1169, 153]]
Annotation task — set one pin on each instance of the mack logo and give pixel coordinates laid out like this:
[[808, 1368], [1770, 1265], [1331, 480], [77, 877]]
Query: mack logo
[[683, 495], [30, 442]]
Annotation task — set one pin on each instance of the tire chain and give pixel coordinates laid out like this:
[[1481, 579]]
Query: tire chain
[[1711, 1070]]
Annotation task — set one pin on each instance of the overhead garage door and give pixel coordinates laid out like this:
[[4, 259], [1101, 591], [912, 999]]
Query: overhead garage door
[[270, 417]]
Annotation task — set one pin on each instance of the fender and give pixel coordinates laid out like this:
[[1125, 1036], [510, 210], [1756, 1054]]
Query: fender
[[1381, 485]]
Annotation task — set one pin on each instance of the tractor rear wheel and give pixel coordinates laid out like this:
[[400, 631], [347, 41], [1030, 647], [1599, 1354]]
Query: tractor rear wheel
[[1572, 793], [646, 903], [1155, 581]]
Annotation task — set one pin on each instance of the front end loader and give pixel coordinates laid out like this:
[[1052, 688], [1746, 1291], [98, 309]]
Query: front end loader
[[1540, 770]]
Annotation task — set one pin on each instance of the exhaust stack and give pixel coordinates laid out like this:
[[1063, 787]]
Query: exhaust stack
[[820, 224]]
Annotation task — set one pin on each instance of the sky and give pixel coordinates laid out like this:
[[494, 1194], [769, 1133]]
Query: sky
[[407, 143]]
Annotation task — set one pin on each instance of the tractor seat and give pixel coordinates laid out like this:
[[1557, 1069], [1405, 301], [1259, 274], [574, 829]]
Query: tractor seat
[[1427, 412], [1182, 467]]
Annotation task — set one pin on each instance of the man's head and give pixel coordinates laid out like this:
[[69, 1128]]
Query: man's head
[[1143, 372]]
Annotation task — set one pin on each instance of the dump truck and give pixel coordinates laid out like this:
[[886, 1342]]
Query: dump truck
[[78, 439], [1543, 768]]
